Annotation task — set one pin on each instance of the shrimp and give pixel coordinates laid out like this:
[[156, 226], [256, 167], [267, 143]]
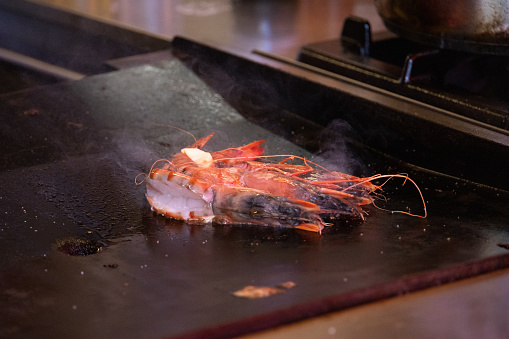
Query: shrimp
[[233, 186], [179, 196]]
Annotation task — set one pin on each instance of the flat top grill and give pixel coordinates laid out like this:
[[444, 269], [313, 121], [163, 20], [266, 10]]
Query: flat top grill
[[81, 244], [77, 187]]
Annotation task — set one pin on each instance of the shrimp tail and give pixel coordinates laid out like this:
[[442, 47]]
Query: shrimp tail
[[231, 156], [253, 149], [201, 142], [311, 227]]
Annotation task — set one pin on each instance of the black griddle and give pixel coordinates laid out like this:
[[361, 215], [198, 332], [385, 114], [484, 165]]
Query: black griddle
[[70, 155]]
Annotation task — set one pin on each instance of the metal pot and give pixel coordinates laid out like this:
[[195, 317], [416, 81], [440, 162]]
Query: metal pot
[[469, 25]]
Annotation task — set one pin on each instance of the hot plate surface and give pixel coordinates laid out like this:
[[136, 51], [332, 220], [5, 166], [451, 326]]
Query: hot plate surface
[[71, 153]]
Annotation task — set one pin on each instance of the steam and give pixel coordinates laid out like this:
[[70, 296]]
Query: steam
[[133, 153], [273, 105], [335, 148]]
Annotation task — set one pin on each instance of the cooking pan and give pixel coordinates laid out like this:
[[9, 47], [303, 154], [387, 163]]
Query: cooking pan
[[466, 25]]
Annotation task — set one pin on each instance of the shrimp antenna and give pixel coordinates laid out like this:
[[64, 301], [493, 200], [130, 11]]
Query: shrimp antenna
[[177, 128], [390, 176], [154, 164], [140, 182], [151, 169]]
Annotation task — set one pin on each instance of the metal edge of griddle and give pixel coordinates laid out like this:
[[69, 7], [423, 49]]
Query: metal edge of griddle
[[39, 66], [413, 107], [475, 136], [140, 59], [406, 284]]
